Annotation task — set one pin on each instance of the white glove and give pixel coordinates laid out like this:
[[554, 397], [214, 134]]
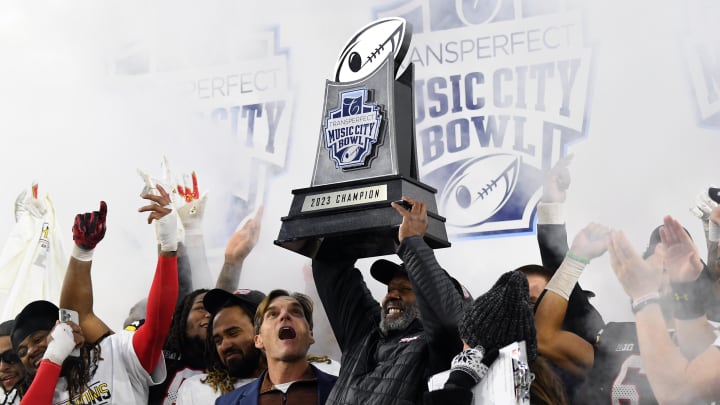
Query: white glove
[[28, 205], [703, 207], [61, 345], [470, 362], [191, 215], [166, 232]]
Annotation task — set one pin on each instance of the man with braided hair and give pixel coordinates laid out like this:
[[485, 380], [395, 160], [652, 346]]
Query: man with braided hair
[[115, 369], [185, 347], [232, 358]]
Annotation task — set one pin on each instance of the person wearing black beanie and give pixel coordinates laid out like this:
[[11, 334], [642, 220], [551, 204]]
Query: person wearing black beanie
[[496, 319]]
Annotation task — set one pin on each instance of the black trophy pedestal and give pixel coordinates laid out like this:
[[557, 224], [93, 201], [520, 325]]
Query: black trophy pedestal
[[355, 219]]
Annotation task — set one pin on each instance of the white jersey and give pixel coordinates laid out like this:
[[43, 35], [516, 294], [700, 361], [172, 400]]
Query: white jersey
[[331, 366], [11, 397], [119, 379], [194, 391]]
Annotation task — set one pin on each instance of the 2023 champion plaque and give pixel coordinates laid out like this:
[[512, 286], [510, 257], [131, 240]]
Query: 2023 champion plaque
[[365, 157]]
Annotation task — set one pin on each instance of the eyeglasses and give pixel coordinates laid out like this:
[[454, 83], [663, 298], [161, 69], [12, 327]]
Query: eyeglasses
[[9, 357]]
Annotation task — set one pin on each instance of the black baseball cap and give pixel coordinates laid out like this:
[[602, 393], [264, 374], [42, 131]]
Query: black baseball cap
[[37, 315], [384, 271], [217, 299]]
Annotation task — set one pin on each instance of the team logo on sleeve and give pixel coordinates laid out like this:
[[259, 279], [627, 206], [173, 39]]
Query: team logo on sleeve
[[351, 130]]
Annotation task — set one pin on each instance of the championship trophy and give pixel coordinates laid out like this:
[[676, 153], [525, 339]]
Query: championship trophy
[[365, 157]]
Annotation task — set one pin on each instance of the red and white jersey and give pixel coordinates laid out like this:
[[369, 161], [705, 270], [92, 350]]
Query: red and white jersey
[[119, 379]]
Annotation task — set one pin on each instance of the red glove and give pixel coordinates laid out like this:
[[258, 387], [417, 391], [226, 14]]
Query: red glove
[[89, 228]]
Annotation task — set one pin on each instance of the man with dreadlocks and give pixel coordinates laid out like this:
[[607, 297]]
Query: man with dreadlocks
[[184, 348], [233, 360], [118, 368]]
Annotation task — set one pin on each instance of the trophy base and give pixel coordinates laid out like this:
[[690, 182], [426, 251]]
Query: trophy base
[[355, 219]]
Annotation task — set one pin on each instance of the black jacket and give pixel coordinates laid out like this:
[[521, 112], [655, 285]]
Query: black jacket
[[390, 369]]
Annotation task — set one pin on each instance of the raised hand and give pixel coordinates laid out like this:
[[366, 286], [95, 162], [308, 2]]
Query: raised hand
[[63, 338], [637, 276], [89, 228], [25, 204], [703, 207], [557, 181], [415, 220], [591, 242], [682, 260], [192, 207], [245, 237], [165, 217]]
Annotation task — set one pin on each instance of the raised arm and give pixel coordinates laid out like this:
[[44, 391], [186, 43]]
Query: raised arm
[[581, 316], [674, 379], [713, 244], [349, 305], [238, 248], [63, 338], [551, 232], [148, 340], [691, 293], [77, 290], [438, 297], [564, 348], [708, 212]]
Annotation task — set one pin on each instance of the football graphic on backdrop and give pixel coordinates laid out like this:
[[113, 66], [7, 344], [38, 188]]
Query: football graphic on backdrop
[[369, 47], [479, 188]]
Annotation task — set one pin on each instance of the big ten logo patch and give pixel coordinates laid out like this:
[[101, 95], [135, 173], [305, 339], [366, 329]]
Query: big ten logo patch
[[501, 91], [237, 90], [701, 52]]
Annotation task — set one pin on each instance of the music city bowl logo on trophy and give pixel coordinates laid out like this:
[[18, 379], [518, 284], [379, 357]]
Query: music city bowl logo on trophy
[[352, 129], [501, 93], [365, 156]]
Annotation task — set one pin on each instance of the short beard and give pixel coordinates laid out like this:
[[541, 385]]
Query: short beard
[[400, 323], [246, 366]]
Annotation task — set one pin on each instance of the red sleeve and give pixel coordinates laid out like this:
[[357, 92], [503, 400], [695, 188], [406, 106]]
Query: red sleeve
[[148, 341], [43, 386]]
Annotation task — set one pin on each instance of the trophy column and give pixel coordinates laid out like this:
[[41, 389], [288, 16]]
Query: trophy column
[[365, 157]]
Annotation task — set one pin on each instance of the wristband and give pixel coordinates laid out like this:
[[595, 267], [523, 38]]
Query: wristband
[[566, 276], [713, 232], [551, 213], [84, 255], [645, 300], [166, 232], [576, 257], [688, 300]]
